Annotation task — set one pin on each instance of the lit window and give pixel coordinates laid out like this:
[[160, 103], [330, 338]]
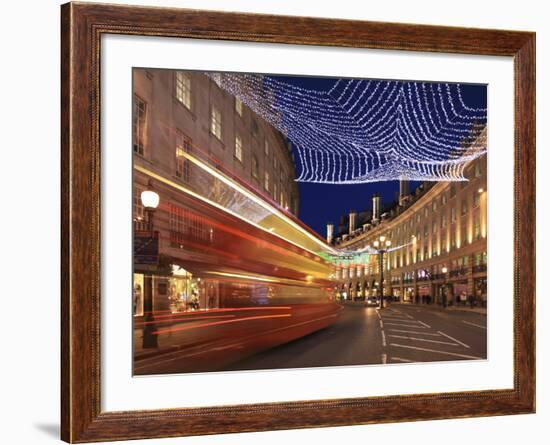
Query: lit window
[[183, 89], [266, 181], [464, 207], [139, 211], [443, 199], [453, 190], [266, 147], [138, 125], [453, 215], [477, 169], [183, 145], [255, 166], [443, 221], [477, 197], [434, 206], [239, 148], [477, 228], [239, 107], [216, 123]]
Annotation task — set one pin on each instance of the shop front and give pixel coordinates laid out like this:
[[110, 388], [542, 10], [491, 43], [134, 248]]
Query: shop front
[[424, 295], [179, 292], [480, 291], [408, 295], [460, 293]]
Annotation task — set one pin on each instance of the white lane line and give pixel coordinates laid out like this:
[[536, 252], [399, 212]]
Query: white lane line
[[423, 324], [476, 325], [454, 354], [384, 359], [454, 339], [399, 359], [414, 332], [406, 325], [381, 324], [384, 344], [401, 313], [423, 339], [393, 317], [378, 313]]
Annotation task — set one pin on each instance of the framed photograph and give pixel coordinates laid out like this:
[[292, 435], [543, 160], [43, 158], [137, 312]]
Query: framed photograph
[[284, 222]]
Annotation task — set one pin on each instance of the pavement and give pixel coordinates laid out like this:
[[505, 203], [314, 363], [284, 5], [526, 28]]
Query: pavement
[[399, 333]]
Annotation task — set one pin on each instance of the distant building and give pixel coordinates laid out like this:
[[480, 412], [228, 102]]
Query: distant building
[[177, 113], [441, 224]]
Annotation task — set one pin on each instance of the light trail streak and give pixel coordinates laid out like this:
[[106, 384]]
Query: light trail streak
[[217, 323]]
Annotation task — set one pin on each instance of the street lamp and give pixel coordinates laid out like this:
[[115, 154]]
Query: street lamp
[[150, 200], [381, 246], [444, 293]]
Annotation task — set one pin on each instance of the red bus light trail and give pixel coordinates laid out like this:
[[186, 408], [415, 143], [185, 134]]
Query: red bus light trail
[[179, 319], [216, 323]]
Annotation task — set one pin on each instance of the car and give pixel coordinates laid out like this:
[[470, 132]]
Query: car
[[372, 301]]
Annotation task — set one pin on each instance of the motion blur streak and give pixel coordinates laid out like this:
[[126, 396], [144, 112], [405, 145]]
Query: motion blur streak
[[183, 319], [228, 253], [215, 323]]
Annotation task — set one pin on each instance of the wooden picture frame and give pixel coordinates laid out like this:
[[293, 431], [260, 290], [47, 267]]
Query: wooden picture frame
[[82, 26]]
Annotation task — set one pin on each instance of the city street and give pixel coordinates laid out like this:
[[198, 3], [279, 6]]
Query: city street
[[397, 334]]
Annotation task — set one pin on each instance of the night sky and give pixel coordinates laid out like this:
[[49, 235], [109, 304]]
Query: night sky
[[322, 203]]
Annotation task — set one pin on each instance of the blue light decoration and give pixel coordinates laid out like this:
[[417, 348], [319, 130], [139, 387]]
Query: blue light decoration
[[368, 130]]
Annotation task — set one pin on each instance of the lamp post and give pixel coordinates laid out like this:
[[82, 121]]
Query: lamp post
[[150, 201], [384, 244], [444, 293]]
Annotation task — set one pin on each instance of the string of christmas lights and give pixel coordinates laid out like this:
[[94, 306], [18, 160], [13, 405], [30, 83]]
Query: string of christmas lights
[[368, 130]]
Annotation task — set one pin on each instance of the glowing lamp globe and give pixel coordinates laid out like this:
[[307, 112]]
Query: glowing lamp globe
[[150, 199], [388, 243], [444, 270], [376, 243]]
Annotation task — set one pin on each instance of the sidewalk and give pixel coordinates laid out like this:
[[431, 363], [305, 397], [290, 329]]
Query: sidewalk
[[433, 306]]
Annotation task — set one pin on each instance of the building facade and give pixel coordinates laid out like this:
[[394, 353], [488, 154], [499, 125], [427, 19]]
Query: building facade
[[438, 250], [177, 114]]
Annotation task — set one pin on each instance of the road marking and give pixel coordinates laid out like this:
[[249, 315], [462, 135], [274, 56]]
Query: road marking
[[406, 325], [378, 313], [401, 313], [454, 339], [381, 324], [454, 354], [395, 318], [399, 359], [384, 344], [423, 324], [384, 359], [414, 332], [424, 339], [476, 325]]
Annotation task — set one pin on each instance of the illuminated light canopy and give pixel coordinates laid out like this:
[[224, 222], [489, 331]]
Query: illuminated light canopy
[[368, 130]]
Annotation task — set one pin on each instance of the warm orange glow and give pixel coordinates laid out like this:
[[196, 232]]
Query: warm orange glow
[[215, 323]]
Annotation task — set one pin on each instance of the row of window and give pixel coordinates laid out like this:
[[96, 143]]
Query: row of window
[[456, 265], [184, 143]]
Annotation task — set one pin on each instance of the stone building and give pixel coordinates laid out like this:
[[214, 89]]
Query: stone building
[[177, 114], [438, 238]]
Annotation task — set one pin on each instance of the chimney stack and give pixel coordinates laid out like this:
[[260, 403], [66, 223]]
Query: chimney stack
[[352, 217], [403, 191], [375, 208], [330, 233]]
